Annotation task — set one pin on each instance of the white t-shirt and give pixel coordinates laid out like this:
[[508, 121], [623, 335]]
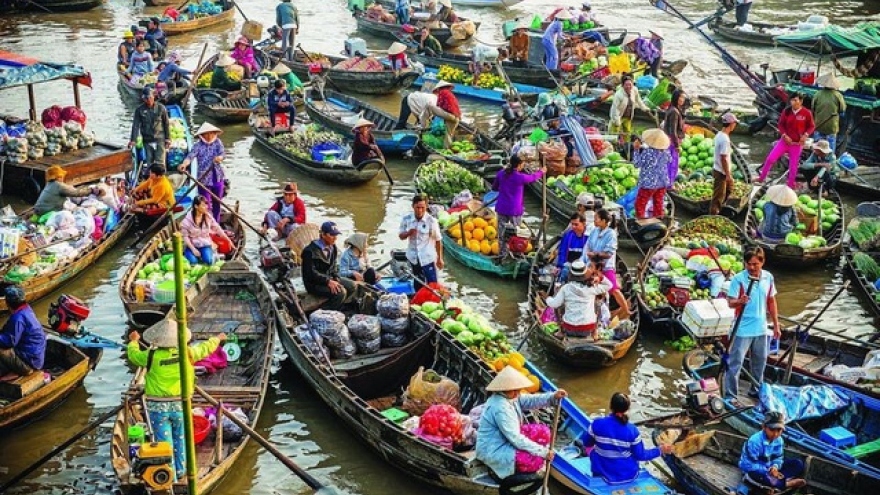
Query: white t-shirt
[[422, 249], [722, 147], [419, 101]]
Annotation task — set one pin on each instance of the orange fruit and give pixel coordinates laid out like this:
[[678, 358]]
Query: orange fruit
[[455, 232], [478, 234], [516, 360], [536, 384], [468, 226], [529, 247], [485, 247], [468, 234], [479, 223], [496, 249], [491, 232], [474, 246]]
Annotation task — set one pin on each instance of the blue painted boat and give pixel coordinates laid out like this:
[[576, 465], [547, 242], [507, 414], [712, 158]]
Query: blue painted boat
[[183, 199], [338, 112], [571, 468]]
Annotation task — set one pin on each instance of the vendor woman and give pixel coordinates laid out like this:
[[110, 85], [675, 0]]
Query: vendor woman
[[499, 437], [56, 192], [779, 215]]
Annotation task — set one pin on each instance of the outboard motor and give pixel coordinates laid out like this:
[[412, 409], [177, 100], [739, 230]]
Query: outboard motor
[[273, 264], [67, 314], [702, 399]]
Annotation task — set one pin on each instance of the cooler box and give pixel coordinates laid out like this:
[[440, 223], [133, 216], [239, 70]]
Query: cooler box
[[838, 436], [395, 286], [712, 318], [355, 45]]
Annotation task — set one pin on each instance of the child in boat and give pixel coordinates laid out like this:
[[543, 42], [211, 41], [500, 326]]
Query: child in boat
[[141, 62], [762, 461]]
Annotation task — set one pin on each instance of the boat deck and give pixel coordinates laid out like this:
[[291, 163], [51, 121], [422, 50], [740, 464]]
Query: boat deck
[[716, 472], [82, 165], [849, 183]]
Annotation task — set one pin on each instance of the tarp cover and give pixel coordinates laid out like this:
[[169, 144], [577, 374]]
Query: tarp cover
[[18, 70], [864, 36], [808, 401]]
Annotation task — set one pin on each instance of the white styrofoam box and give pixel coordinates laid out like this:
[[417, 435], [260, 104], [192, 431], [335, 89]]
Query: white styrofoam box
[[700, 329], [355, 45], [726, 314], [707, 318]]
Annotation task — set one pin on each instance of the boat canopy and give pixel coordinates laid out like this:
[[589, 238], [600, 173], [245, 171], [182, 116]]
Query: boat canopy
[[837, 40], [19, 70]]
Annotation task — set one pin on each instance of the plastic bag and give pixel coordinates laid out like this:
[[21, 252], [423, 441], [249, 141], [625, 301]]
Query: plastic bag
[[426, 388], [364, 327], [312, 340], [394, 339], [368, 346], [396, 326], [75, 114], [51, 117], [393, 306], [346, 350], [524, 461]]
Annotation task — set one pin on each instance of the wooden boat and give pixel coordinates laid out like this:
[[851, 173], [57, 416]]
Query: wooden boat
[[338, 112], [740, 169], [226, 106], [134, 91], [27, 398], [391, 30], [861, 416], [175, 28], [351, 81], [40, 285], [243, 384], [788, 254], [486, 163], [48, 6], [336, 172], [576, 352], [159, 3], [145, 313], [530, 74], [762, 33], [866, 288], [714, 469], [865, 183]]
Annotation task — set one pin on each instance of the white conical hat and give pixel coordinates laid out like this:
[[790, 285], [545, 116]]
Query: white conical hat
[[224, 61], [362, 122], [164, 334], [281, 69], [396, 48], [656, 139], [508, 379], [782, 195], [208, 127]]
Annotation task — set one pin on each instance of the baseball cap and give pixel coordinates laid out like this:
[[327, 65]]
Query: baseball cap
[[329, 228], [729, 118]]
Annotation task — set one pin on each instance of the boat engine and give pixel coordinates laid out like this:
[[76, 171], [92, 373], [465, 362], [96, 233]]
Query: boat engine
[[702, 399], [67, 314], [153, 465], [273, 264]]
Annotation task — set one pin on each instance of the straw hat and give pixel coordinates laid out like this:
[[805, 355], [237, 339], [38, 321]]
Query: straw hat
[[629, 38], [522, 25], [243, 39], [822, 145], [829, 81], [656, 139], [55, 172], [164, 334], [362, 122], [578, 270], [563, 15], [445, 3], [782, 195], [206, 128], [507, 380], [656, 32], [224, 61], [396, 48], [281, 69], [443, 84]]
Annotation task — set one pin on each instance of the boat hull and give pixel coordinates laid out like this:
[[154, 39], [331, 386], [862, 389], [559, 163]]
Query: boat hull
[[177, 28]]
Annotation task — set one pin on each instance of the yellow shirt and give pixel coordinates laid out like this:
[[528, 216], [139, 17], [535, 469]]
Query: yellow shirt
[[161, 192]]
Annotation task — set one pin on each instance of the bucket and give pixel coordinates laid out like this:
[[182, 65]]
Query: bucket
[[201, 428], [807, 76], [252, 30], [136, 434]]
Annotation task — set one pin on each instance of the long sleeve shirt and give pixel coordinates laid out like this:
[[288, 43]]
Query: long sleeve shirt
[[553, 32], [319, 265], [161, 192], [286, 14], [571, 247], [519, 46], [624, 105], [794, 125], [171, 69], [419, 101], [654, 165], [141, 63], [814, 161], [778, 220], [245, 58], [448, 102], [673, 125], [295, 211], [210, 173], [363, 148], [827, 106], [617, 449], [510, 187], [156, 35], [579, 300], [151, 123], [52, 196], [23, 333], [760, 454], [350, 263], [274, 99], [499, 437], [163, 377], [199, 234]]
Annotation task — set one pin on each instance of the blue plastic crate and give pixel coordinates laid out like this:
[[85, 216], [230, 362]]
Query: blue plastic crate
[[838, 436], [391, 284]]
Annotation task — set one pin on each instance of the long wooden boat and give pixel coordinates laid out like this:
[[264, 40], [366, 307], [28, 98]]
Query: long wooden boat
[[861, 416], [351, 81], [509, 268], [27, 398], [866, 288], [714, 469], [40, 285], [175, 28], [243, 384], [144, 313], [222, 105], [134, 90], [50, 6], [864, 183], [486, 163], [789, 254], [735, 205], [576, 352], [336, 172], [531, 74], [391, 30], [762, 33], [338, 112]]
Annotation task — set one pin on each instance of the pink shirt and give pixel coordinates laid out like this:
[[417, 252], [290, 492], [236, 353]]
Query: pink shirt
[[199, 235]]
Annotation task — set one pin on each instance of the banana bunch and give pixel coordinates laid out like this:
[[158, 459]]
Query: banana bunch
[[205, 80]]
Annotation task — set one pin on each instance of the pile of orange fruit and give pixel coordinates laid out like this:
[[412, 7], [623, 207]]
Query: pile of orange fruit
[[479, 235], [518, 362]]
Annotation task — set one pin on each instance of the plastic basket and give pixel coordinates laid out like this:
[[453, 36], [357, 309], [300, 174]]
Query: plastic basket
[[395, 414]]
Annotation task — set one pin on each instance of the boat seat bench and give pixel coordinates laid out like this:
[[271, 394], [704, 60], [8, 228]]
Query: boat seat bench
[[22, 386], [865, 449]]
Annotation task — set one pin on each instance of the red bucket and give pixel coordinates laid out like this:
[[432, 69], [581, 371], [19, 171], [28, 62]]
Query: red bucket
[[201, 428], [807, 77]]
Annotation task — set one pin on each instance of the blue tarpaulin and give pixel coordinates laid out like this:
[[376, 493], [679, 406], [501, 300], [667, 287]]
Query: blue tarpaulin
[[809, 401], [18, 70]]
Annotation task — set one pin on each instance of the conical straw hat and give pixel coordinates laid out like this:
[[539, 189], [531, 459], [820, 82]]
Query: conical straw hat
[[208, 127], [656, 139], [509, 379], [164, 334], [782, 195]]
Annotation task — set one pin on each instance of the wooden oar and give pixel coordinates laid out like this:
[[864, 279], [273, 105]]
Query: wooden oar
[[556, 415], [240, 11], [191, 84], [310, 480], [36, 249], [259, 232]]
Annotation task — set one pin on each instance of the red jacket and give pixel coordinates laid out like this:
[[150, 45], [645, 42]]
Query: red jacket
[[796, 125], [299, 211], [447, 101]]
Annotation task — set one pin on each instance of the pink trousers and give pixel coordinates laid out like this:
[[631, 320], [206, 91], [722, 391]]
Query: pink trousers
[[794, 156]]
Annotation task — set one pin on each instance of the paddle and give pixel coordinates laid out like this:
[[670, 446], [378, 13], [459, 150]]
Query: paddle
[[556, 415], [310, 480], [190, 87], [725, 365], [36, 249], [240, 11]]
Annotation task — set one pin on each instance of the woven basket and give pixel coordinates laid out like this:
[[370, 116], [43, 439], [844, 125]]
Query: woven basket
[[300, 238]]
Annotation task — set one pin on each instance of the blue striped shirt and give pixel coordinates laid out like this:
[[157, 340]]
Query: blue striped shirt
[[617, 449]]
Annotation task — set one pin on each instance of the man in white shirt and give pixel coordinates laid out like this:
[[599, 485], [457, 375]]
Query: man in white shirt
[[425, 249], [416, 103], [722, 184]]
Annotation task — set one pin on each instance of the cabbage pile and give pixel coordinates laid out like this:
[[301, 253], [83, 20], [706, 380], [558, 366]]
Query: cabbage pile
[[612, 178]]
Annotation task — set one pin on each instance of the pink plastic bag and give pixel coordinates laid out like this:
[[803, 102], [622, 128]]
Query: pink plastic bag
[[51, 117], [215, 362], [446, 443], [75, 114], [99, 228], [525, 462], [549, 315]]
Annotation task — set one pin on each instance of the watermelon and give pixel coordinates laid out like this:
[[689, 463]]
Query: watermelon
[[793, 238], [613, 157], [804, 199]]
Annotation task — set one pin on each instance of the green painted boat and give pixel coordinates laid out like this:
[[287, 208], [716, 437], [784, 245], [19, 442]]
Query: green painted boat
[[510, 268]]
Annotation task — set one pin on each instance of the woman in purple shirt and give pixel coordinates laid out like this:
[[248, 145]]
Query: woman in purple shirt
[[209, 152], [510, 184]]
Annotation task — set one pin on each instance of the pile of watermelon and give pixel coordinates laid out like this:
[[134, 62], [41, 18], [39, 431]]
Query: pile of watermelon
[[612, 178]]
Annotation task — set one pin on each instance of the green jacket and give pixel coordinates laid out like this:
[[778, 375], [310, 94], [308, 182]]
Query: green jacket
[[163, 375], [828, 104]]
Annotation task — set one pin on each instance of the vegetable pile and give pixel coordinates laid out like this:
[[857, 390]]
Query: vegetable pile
[[807, 207], [442, 420], [155, 272], [442, 179], [486, 80], [865, 232], [466, 326], [612, 178], [301, 142], [694, 181]]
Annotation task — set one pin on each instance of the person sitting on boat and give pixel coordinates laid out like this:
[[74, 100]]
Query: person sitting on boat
[[424, 249], [510, 183], [828, 107], [821, 166], [779, 215], [447, 108], [200, 231], [402, 11], [578, 297], [623, 107], [445, 14], [209, 152], [283, 72], [124, 51], [519, 44], [320, 270], [417, 103], [141, 62], [588, 15], [586, 206], [56, 192], [155, 195], [22, 339], [364, 146], [287, 213], [499, 436], [150, 123], [220, 77], [653, 161], [172, 74], [428, 44], [617, 445], [571, 247], [551, 37], [156, 38], [397, 57], [280, 101], [601, 247], [162, 382], [287, 18], [354, 263], [795, 126], [243, 54], [763, 462]]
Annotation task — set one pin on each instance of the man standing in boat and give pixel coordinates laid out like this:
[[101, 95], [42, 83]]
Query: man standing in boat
[[425, 249], [22, 340], [151, 124], [722, 184], [287, 18]]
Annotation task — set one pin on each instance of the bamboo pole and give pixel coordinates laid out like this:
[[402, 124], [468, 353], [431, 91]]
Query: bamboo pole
[[186, 388]]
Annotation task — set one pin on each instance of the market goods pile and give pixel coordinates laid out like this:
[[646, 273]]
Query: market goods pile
[[179, 148], [808, 212], [865, 232], [442, 179], [612, 178], [195, 10], [694, 181], [156, 278], [461, 148], [302, 142], [476, 233], [61, 131], [486, 80], [866, 265], [360, 64]]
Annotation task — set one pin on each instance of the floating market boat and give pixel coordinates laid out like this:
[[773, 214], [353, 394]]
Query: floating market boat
[[372, 80], [485, 156], [28, 397], [391, 30], [159, 3], [339, 112], [861, 252], [528, 74], [713, 469], [339, 171], [830, 230], [153, 303], [48, 6], [235, 301], [222, 105], [134, 90], [180, 27], [698, 203], [761, 33], [573, 351], [529, 94]]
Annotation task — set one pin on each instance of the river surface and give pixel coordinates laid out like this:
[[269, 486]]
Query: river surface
[[293, 417]]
